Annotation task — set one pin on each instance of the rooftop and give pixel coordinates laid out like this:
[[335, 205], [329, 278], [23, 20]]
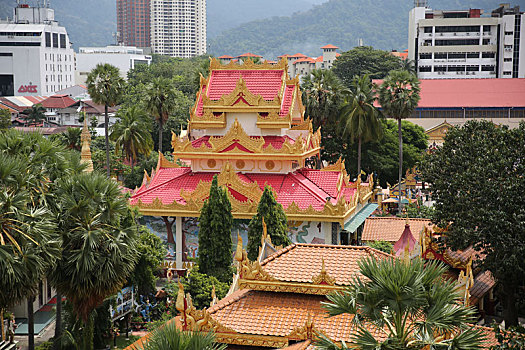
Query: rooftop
[[390, 229]]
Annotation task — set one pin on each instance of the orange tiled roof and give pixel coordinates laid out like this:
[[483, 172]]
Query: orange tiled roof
[[329, 46], [278, 314], [391, 228], [300, 262], [304, 345], [483, 282]]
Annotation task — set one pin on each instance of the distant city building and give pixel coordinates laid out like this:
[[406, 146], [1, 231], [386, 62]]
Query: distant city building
[[122, 57], [133, 23], [464, 44], [178, 27], [36, 57], [302, 65]]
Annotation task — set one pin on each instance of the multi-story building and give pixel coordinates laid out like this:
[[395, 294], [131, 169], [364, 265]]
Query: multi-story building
[[466, 44], [178, 27], [122, 57], [36, 57], [133, 23], [299, 64]]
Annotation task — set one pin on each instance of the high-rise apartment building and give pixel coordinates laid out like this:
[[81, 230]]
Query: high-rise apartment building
[[133, 23], [178, 27], [466, 44], [36, 57]]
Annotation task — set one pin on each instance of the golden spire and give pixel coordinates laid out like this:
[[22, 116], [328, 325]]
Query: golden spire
[[85, 153], [238, 251]]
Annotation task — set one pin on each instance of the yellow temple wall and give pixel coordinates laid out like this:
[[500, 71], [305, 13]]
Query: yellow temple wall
[[248, 122], [243, 165]]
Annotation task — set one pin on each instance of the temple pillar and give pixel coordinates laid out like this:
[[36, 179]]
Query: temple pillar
[[326, 229], [179, 249]]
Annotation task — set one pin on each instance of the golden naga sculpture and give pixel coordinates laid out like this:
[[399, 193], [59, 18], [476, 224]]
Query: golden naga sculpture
[[305, 332]]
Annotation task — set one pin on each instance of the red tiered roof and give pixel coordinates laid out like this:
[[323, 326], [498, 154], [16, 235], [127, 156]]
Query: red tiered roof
[[304, 187]]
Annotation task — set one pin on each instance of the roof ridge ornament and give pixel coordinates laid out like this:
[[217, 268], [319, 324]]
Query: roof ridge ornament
[[323, 277]]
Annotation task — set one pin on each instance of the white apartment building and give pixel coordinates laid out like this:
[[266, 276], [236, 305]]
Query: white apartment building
[[465, 44], [122, 57], [178, 27], [36, 57]]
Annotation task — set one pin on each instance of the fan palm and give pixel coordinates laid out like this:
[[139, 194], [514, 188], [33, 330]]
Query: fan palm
[[399, 96], [132, 133], [322, 94], [160, 102], [404, 305], [105, 86], [35, 115], [168, 337], [71, 138], [99, 238], [359, 115]]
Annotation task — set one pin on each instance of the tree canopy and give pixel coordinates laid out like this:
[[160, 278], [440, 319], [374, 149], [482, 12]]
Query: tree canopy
[[477, 181], [215, 240], [275, 220]]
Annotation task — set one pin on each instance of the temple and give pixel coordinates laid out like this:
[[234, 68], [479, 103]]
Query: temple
[[248, 126]]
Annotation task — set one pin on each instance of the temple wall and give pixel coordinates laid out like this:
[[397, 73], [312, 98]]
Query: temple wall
[[243, 165], [298, 232], [248, 122]]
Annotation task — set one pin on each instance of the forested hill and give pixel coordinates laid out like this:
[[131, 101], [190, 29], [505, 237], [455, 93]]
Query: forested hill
[[380, 23]]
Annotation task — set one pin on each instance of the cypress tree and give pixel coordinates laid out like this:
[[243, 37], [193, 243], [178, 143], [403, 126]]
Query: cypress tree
[[275, 220], [215, 242]]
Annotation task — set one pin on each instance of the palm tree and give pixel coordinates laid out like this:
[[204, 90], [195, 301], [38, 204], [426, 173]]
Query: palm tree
[[322, 94], [105, 86], [409, 65], [399, 96], [160, 102], [169, 337], [132, 133], [99, 239], [404, 305], [70, 138], [35, 115], [359, 115]]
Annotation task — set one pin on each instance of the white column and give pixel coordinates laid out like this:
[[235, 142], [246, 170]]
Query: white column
[[326, 229], [178, 242]]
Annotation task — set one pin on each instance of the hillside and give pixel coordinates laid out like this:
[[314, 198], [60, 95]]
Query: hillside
[[381, 23]]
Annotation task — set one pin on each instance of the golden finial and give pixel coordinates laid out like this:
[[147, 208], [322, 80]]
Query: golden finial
[[85, 153], [179, 303], [265, 229], [238, 251]]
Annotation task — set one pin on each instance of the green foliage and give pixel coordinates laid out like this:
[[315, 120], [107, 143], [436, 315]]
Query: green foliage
[[151, 253], [69, 138], [132, 133], [215, 227], [47, 345], [477, 180], [102, 324], [5, 119], [383, 246], [105, 86], [200, 287], [170, 337], [35, 115], [365, 60], [378, 157], [512, 338], [133, 176], [410, 301], [399, 94], [417, 210], [275, 220], [322, 96]]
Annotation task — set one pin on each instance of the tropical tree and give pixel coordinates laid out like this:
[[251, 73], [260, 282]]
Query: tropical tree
[[69, 138], [169, 336], [275, 221], [29, 167], [322, 95], [215, 240], [5, 119], [99, 244], [399, 96], [132, 133], [475, 177], [160, 102], [105, 86], [409, 65], [35, 115], [359, 115], [400, 305]]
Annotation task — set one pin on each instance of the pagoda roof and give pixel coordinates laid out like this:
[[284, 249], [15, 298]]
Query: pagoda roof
[[325, 194]]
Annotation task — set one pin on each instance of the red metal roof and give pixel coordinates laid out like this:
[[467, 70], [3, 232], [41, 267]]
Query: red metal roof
[[450, 93], [224, 56], [329, 46], [305, 187], [58, 101], [248, 54]]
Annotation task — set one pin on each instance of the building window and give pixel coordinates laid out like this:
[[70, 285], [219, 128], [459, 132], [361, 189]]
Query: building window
[[425, 69], [425, 56], [472, 54], [486, 42], [508, 33], [63, 41], [507, 59], [457, 42], [440, 69], [488, 55], [472, 68], [487, 68], [48, 39], [507, 73], [427, 29], [55, 39], [440, 56]]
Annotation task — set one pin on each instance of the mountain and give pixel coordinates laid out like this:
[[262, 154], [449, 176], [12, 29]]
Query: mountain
[[382, 24]]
